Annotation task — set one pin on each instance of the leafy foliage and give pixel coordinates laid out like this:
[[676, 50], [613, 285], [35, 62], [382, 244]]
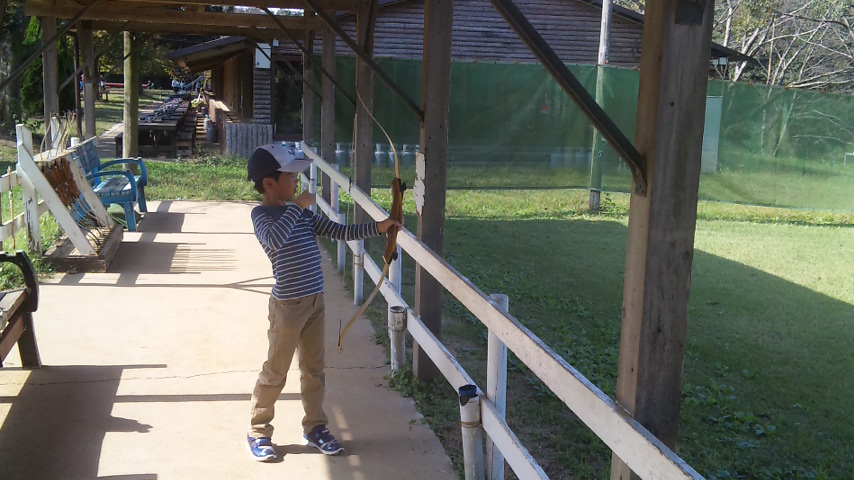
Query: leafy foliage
[[798, 43], [32, 91]]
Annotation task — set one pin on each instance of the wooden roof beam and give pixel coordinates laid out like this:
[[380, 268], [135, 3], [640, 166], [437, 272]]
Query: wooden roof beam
[[330, 5], [111, 26], [140, 13]]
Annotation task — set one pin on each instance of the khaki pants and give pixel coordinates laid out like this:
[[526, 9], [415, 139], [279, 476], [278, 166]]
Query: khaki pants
[[294, 324]]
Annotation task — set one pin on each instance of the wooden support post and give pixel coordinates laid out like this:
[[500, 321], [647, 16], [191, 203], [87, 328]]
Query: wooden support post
[[130, 139], [327, 113], [78, 113], [365, 21], [307, 95], [90, 77], [50, 80], [431, 167], [669, 134]]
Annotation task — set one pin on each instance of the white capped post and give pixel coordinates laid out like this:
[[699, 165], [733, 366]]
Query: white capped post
[[472, 432], [312, 184], [342, 245], [496, 389], [397, 337], [395, 272], [358, 272], [341, 218]]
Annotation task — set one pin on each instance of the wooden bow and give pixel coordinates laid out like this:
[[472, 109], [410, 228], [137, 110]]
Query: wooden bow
[[390, 252]]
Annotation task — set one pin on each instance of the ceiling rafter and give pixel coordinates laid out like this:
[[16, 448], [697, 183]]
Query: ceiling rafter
[[111, 26], [329, 5], [141, 14]]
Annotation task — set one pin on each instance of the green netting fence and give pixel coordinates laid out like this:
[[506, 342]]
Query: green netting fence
[[512, 126]]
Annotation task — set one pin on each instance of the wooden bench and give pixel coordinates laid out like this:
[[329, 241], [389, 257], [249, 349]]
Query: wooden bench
[[16, 319], [113, 186]]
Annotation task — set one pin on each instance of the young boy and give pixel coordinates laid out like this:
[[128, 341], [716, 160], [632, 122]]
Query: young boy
[[287, 231]]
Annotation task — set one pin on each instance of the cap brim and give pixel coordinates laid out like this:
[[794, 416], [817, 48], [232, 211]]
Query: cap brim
[[296, 166]]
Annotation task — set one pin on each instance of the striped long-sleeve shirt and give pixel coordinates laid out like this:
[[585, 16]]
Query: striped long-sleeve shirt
[[289, 237]]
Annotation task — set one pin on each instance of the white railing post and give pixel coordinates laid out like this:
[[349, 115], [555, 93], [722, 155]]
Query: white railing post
[[397, 337], [395, 272], [342, 245], [335, 203], [496, 390], [312, 184], [28, 190], [472, 432], [358, 272]]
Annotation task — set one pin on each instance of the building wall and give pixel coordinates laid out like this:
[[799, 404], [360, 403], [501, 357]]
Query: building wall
[[262, 96], [571, 27], [237, 85]]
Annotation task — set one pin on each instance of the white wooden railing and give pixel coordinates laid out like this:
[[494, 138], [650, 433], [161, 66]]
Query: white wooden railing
[[627, 438], [20, 221]]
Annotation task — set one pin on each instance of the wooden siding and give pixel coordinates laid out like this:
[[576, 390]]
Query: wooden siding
[[241, 139], [480, 34], [262, 96], [237, 85]]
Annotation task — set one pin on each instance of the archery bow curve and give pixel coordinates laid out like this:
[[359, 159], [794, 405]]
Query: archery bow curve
[[390, 251]]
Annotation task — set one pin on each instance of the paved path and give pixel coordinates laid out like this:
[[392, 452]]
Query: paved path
[[149, 368]]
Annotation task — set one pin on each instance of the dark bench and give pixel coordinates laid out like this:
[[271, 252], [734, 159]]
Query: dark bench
[[113, 186], [16, 319]]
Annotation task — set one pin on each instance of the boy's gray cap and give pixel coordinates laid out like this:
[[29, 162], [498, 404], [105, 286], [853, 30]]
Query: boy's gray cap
[[267, 159]]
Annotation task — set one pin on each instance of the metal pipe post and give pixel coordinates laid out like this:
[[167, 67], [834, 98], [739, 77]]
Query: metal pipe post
[[496, 389], [397, 337], [472, 432], [359, 272]]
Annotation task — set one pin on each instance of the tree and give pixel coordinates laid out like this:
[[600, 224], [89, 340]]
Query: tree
[[799, 43], [32, 91], [154, 47], [12, 52]]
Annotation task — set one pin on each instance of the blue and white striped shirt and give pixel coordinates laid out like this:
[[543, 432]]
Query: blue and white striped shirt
[[289, 237]]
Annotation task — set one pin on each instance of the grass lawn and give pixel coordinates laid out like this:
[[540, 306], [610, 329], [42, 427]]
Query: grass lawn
[[827, 189], [766, 387]]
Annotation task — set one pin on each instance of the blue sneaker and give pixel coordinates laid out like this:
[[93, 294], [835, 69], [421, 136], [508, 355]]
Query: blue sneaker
[[261, 449], [321, 439]]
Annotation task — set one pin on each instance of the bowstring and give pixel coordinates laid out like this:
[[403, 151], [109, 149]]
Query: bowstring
[[387, 265]]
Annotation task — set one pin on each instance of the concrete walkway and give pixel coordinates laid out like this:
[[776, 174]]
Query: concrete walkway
[[149, 368]]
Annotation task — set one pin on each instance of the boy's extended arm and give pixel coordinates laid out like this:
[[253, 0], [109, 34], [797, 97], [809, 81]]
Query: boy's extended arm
[[274, 233], [327, 228]]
